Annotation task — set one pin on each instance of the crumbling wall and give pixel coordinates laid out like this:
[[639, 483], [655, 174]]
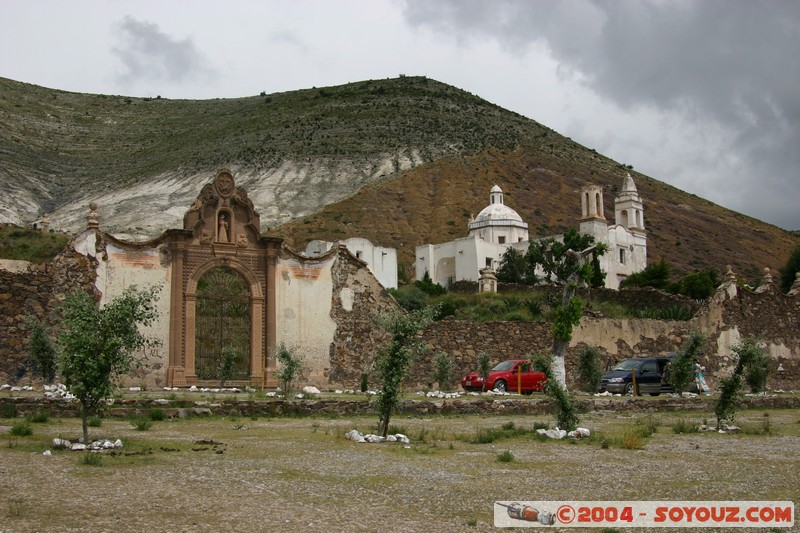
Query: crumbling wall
[[38, 292], [356, 297]]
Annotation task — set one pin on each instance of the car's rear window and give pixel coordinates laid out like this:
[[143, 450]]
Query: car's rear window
[[504, 366], [628, 364]]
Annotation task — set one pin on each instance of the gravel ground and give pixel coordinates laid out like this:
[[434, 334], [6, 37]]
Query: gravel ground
[[302, 475]]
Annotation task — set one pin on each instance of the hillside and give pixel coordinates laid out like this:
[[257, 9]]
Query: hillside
[[401, 161]]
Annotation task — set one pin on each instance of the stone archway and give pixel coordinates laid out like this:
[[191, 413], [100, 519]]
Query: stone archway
[[221, 244], [196, 317], [222, 326]]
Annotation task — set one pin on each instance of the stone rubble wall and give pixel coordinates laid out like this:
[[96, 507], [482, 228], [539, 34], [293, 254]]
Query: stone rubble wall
[[356, 297], [37, 292], [534, 405]]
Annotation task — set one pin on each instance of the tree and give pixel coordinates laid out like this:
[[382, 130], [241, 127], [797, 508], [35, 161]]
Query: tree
[[427, 286], [654, 275], [229, 358], [41, 351], [698, 285], [393, 361], [291, 365], [681, 371], [484, 367], [589, 373], [790, 269], [99, 344], [566, 411], [515, 269], [567, 263], [749, 352], [443, 370]]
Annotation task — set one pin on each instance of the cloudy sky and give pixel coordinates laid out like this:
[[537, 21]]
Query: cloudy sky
[[701, 94]]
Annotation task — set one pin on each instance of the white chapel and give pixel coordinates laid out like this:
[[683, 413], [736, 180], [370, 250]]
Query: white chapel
[[498, 227]]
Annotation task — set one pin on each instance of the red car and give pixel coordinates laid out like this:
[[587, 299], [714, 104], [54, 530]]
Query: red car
[[506, 376]]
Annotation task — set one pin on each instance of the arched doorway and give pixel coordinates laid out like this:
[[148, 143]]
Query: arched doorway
[[222, 324]]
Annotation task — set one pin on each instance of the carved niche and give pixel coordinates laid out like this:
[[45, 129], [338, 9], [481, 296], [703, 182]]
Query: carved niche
[[223, 215]]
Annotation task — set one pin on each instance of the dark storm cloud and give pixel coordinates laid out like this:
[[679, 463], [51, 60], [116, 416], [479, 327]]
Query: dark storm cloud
[[150, 55], [735, 63]]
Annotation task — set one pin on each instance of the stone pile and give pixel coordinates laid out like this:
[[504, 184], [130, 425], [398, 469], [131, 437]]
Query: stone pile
[[357, 436], [95, 446], [559, 434]]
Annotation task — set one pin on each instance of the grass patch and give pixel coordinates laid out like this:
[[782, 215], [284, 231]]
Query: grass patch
[[505, 457], [22, 429], [94, 422], [39, 417], [489, 435], [156, 414], [91, 459], [683, 427], [141, 423]]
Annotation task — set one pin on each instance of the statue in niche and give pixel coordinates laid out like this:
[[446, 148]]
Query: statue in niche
[[222, 232], [241, 240]]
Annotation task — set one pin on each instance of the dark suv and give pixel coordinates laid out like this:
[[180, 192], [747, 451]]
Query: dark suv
[[649, 372]]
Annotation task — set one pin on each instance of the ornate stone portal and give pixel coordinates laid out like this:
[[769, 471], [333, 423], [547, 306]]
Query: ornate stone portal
[[223, 290]]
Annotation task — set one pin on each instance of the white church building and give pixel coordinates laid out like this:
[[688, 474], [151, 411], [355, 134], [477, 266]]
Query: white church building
[[498, 227]]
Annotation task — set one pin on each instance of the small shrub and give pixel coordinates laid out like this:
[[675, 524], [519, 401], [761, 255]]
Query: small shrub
[[757, 372], [589, 372], [364, 382], [646, 426], [94, 422], [141, 423], [443, 370], [632, 439], [505, 457], [483, 436], [38, 418], [21, 429], [290, 366], [91, 459], [508, 425], [682, 427], [540, 425], [156, 414]]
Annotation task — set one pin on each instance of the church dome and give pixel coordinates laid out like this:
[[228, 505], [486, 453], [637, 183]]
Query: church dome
[[497, 210]]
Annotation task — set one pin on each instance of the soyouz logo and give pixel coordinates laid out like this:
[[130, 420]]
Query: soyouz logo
[[727, 514]]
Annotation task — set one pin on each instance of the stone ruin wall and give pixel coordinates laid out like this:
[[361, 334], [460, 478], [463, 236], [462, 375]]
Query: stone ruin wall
[[727, 318], [356, 297], [38, 292], [731, 315]]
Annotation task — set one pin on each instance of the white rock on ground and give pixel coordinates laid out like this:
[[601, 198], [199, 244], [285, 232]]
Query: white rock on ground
[[310, 390], [61, 443], [47, 453]]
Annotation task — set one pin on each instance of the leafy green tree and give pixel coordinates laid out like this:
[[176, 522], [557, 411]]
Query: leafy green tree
[[427, 286], [514, 268], [566, 411], [654, 275], [484, 367], [291, 363], [589, 372], [567, 263], [790, 269], [749, 351], [411, 297], [394, 360], [757, 372], [99, 344], [698, 285], [443, 370], [681, 371], [41, 351]]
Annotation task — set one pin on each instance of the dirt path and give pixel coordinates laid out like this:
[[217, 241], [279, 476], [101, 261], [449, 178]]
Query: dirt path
[[302, 475]]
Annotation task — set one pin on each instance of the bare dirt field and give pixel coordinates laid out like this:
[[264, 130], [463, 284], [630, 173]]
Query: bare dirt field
[[301, 474]]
